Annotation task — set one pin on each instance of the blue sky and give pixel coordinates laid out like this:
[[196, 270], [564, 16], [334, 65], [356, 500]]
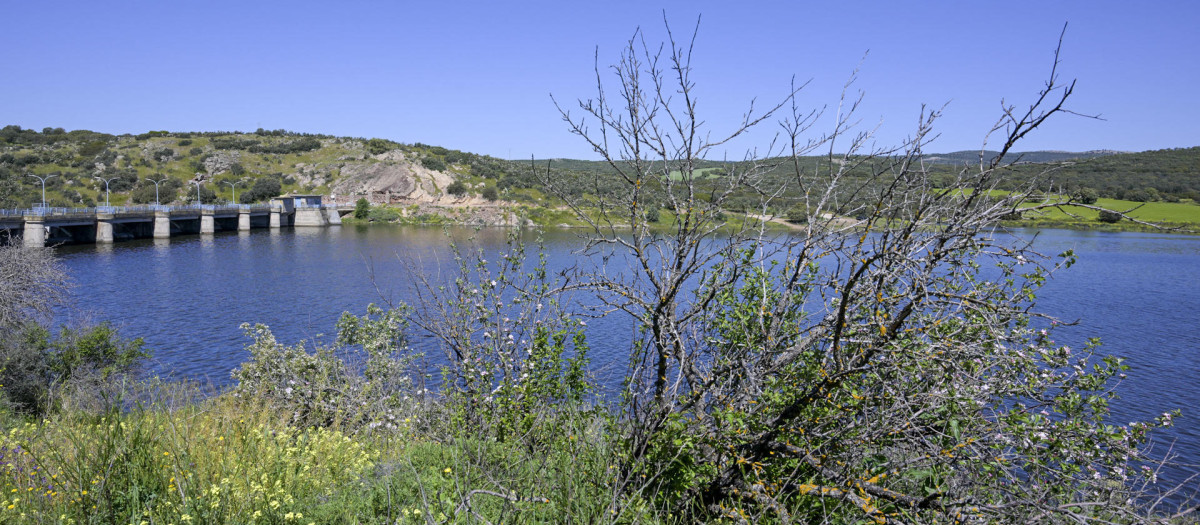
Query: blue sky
[[478, 76]]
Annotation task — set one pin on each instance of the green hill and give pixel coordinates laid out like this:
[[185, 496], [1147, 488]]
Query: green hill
[[265, 163]]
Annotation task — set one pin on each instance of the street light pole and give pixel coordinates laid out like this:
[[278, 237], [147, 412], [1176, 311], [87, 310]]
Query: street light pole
[[43, 179], [233, 188], [106, 192], [156, 203]]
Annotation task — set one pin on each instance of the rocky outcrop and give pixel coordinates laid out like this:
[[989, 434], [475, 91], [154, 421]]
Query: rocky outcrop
[[311, 175], [221, 161], [392, 179]]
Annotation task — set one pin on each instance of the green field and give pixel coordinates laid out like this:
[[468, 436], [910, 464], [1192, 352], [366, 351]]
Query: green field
[[700, 173], [1174, 213]]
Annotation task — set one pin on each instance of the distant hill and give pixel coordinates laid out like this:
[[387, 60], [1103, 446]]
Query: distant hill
[[959, 158], [956, 158], [264, 163], [1167, 174]]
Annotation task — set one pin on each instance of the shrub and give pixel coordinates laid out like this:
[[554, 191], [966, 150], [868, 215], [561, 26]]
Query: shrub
[[652, 214], [295, 146], [433, 163], [383, 214], [797, 215], [321, 388], [490, 194], [1087, 195], [377, 146], [362, 209], [516, 360], [92, 148], [31, 361], [98, 349], [1109, 216], [456, 188], [163, 155], [263, 189], [230, 143]]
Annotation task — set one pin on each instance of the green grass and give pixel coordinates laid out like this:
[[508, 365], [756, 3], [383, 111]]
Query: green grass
[[1184, 214], [699, 173], [227, 460], [1170, 212]]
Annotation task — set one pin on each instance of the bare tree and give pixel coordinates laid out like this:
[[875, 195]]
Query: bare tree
[[31, 282], [884, 363]]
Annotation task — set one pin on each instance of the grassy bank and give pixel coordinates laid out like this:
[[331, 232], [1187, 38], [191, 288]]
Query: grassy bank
[[1181, 216], [230, 460]]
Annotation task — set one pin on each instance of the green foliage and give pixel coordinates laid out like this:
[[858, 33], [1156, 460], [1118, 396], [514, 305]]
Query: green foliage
[[383, 214], [92, 148], [378, 146], [321, 388], [433, 163], [1087, 195], [1143, 195], [264, 189], [95, 349], [233, 143], [24, 368], [797, 215], [1123, 175], [1109, 217], [33, 362], [652, 213], [516, 361], [489, 193], [216, 462], [457, 188], [290, 147], [362, 208], [144, 192], [163, 155], [207, 196]]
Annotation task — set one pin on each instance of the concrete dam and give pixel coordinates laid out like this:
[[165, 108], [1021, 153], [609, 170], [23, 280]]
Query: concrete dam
[[107, 224]]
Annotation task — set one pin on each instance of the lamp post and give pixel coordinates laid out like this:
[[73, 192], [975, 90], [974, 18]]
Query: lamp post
[[43, 179], [106, 192], [233, 188], [156, 182]]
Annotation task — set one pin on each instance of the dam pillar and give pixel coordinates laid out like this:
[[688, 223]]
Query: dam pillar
[[162, 225], [332, 215], [35, 231], [244, 220], [275, 218], [311, 217], [104, 228], [208, 223]]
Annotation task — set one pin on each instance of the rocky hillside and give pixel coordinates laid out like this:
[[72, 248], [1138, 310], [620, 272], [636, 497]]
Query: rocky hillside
[[78, 167]]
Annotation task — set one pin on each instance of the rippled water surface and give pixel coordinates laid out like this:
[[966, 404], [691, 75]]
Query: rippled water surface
[[1140, 293]]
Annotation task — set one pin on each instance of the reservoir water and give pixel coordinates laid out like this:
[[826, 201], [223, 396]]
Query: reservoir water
[[1139, 293]]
